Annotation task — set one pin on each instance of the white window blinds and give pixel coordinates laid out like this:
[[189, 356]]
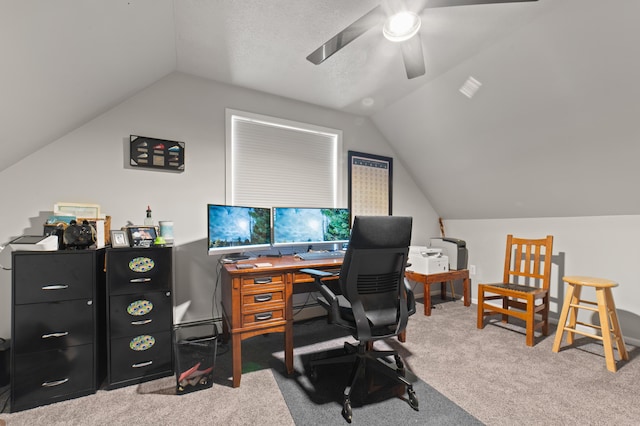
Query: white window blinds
[[275, 162]]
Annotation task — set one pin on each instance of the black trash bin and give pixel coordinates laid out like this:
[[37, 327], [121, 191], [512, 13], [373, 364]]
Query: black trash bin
[[5, 347], [195, 349]]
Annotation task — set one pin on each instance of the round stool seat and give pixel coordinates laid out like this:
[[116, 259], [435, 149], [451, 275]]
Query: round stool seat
[[590, 281]]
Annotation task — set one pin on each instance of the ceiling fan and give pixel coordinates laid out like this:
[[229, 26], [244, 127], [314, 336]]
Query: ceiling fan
[[401, 26]]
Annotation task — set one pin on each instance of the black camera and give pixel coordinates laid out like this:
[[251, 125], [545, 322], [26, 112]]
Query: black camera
[[79, 235]]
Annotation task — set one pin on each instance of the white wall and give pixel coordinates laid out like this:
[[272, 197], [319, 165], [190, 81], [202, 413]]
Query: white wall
[[88, 165], [603, 246]]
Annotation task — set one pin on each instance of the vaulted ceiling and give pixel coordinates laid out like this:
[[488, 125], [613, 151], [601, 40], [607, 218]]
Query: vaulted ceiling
[[551, 131]]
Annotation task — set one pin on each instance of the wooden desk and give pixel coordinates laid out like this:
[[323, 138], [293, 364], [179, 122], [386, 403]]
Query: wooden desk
[[260, 300], [442, 278]]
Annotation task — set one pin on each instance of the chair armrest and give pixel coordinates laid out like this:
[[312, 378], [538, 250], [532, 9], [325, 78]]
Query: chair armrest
[[324, 290], [411, 299]]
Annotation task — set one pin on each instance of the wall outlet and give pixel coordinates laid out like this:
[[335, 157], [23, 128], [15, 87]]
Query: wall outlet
[[472, 269]]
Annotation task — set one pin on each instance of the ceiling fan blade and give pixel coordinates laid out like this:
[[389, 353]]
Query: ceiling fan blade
[[446, 3], [413, 56], [374, 17]]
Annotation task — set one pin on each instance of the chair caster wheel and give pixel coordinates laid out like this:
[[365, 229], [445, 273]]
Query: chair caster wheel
[[413, 401], [346, 410]]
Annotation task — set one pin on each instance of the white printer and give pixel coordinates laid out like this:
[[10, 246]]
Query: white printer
[[424, 260], [454, 249]]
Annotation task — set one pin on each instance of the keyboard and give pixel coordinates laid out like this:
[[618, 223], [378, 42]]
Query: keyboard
[[314, 255]]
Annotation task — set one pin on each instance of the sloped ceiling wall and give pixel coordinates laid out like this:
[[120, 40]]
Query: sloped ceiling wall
[[553, 130], [66, 61]]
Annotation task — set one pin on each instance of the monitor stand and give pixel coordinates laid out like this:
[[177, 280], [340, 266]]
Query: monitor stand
[[232, 257]]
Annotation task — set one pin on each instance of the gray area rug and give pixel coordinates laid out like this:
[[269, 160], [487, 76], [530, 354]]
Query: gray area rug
[[319, 402]]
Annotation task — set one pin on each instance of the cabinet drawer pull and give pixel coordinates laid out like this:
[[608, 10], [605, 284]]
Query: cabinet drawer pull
[[263, 317], [141, 322], [142, 364], [262, 297], [60, 334], [55, 383], [139, 280], [265, 280], [55, 287]]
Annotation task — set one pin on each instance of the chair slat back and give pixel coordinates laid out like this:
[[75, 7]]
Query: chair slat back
[[529, 259]]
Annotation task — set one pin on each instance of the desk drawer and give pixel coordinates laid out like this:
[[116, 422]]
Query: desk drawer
[[138, 270], [55, 325], [264, 317], [140, 313], [258, 281], [129, 361], [52, 374], [52, 276], [255, 301]]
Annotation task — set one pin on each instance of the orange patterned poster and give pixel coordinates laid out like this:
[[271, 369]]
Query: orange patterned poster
[[369, 184]]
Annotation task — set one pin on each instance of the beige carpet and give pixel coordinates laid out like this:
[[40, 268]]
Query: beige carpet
[[490, 373]]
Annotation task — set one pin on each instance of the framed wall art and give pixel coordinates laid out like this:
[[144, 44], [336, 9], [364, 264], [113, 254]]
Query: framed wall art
[[155, 153], [370, 184]]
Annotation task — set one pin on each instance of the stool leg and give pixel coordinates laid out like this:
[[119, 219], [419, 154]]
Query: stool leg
[[573, 313], [563, 318], [615, 325], [603, 311]]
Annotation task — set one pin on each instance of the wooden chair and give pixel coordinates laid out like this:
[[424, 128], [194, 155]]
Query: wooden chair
[[524, 289]]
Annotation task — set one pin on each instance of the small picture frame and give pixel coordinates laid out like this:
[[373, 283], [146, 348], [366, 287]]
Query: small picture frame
[[142, 236], [119, 239]]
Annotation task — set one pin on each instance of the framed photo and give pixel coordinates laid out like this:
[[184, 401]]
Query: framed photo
[[119, 239], [142, 236], [77, 209], [370, 184]]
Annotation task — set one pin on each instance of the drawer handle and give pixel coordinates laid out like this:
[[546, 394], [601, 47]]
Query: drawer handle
[[263, 297], [142, 364], [139, 280], [263, 317], [55, 287], [60, 334], [55, 383], [141, 322], [265, 280]]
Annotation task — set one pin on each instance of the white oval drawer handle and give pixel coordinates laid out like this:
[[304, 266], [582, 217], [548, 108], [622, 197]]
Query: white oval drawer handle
[[60, 334], [56, 383], [142, 364], [55, 287], [139, 280]]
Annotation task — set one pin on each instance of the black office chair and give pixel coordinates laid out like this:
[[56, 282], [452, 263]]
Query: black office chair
[[376, 301]]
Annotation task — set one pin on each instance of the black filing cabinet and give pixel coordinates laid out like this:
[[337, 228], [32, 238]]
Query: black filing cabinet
[[139, 315], [57, 335]]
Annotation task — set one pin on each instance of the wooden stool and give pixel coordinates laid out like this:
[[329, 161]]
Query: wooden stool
[[606, 309]]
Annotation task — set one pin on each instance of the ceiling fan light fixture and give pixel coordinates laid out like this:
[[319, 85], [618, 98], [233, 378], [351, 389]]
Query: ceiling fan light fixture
[[401, 26]]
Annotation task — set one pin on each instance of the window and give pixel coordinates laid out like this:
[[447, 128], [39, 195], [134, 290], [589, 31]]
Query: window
[[276, 162]]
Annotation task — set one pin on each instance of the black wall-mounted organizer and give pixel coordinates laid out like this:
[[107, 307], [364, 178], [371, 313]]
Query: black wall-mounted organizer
[[159, 154]]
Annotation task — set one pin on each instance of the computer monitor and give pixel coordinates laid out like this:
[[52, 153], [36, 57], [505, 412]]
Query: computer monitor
[[237, 229], [309, 226]]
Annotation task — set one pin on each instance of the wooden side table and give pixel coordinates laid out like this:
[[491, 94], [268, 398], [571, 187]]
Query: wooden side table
[[442, 278]]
